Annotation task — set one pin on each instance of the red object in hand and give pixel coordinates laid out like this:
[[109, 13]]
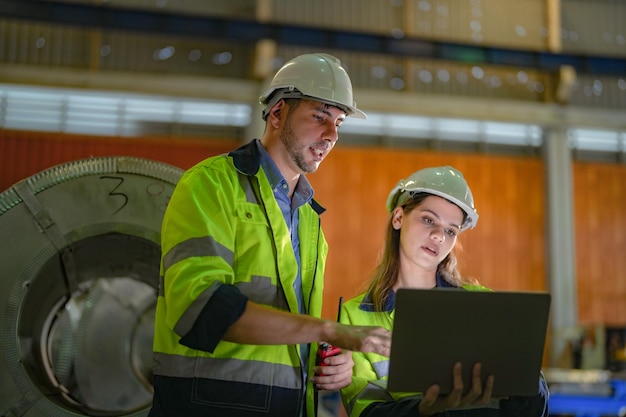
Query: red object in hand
[[324, 351]]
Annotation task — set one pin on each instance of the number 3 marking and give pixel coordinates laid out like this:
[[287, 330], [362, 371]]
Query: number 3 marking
[[113, 193]]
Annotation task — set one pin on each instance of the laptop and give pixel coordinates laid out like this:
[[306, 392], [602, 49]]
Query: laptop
[[433, 329]]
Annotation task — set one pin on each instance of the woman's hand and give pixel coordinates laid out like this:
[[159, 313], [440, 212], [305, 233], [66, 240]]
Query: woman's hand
[[433, 403]]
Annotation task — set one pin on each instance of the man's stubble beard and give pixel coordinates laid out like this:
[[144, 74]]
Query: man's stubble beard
[[289, 140]]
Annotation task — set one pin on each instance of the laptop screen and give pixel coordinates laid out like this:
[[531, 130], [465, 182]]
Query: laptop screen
[[433, 329]]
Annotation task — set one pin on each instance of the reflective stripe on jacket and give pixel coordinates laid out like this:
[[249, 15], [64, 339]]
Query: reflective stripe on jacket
[[223, 226], [371, 370]]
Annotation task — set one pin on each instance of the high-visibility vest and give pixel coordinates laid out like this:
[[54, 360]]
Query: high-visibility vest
[[371, 369], [223, 226]]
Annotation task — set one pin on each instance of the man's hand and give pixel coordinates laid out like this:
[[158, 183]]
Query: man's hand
[[336, 373], [364, 339], [433, 403]]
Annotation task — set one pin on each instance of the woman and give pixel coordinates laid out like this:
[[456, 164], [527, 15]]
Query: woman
[[428, 212]]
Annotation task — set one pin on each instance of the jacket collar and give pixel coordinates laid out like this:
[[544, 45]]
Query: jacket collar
[[368, 303], [247, 160]]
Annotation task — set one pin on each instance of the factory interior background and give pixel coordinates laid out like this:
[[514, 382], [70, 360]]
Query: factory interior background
[[104, 103]]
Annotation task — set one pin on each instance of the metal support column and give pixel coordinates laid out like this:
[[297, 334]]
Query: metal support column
[[265, 50], [561, 270], [255, 129]]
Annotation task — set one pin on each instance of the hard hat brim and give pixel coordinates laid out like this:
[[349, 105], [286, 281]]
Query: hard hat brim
[[269, 98], [396, 200]]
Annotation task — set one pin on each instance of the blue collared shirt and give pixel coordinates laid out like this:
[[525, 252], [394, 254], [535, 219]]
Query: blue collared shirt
[[302, 194]]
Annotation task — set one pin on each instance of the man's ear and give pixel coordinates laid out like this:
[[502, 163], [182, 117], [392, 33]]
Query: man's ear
[[276, 112]]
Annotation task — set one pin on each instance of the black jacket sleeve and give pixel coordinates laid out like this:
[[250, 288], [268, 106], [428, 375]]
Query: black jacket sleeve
[[401, 408], [220, 312]]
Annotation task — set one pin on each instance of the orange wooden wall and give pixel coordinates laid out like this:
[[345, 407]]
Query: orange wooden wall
[[506, 251], [23, 154], [600, 213]]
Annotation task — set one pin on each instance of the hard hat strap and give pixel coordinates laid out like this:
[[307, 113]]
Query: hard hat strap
[[291, 92]]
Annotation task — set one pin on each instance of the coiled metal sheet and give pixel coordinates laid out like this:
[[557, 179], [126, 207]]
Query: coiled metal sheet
[[79, 266]]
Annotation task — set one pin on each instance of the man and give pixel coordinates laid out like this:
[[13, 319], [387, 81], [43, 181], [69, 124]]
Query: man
[[243, 261]]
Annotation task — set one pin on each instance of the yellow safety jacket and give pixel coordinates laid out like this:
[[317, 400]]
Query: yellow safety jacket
[[371, 370], [223, 227]]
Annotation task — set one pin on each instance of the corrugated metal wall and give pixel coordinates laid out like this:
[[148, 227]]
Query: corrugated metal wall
[[595, 27], [51, 45], [385, 72], [487, 22]]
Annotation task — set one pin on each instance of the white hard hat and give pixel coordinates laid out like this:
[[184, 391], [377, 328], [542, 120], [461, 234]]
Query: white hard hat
[[317, 77], [445, 181]]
